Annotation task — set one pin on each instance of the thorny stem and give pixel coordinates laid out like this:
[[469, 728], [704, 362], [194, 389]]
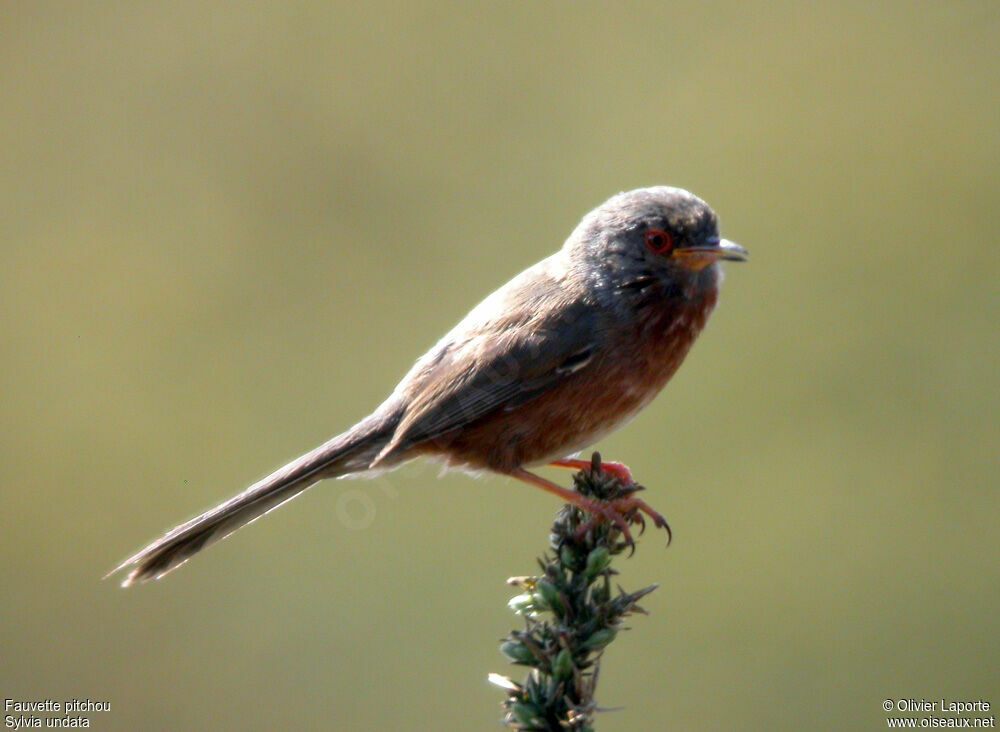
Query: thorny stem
[[570, 615]]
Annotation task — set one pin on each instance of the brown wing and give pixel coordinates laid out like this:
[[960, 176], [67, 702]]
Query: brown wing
[[499, 366]]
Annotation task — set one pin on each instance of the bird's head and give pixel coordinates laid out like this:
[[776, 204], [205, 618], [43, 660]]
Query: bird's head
[[640, 237]]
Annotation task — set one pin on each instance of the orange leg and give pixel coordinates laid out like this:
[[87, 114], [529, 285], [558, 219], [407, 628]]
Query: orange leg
[[618, 470], [608, 511]]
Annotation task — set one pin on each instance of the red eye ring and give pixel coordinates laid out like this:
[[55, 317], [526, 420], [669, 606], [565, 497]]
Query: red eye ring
[[659, 242]]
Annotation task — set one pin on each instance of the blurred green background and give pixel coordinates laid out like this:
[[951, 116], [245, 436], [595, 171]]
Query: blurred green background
[[228, 229]]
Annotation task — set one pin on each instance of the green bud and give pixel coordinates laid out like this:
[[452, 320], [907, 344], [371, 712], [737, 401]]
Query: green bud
[[567, 556], [562, 667], [600, 639], [525, 713], [597, 561], [517, 652], [601, 593], [550, 596]]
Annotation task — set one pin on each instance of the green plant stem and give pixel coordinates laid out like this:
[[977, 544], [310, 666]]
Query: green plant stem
[[571, 615]]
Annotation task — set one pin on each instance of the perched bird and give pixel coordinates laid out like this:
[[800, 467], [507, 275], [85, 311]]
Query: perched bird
[[567, 351]]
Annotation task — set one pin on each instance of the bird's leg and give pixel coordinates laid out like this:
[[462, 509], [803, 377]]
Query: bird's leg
[[618, 470], [610, 511]]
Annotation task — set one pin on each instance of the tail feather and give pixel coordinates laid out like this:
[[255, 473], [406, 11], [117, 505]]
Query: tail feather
[[350, 452]]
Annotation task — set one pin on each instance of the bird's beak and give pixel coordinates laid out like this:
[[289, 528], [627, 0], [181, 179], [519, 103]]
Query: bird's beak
[[713, 249]]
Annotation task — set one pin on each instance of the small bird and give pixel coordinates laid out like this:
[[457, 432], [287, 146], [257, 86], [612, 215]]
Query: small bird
[[566, 352]]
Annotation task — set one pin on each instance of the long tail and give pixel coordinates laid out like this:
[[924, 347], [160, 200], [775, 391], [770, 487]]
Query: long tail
[[350, 452]]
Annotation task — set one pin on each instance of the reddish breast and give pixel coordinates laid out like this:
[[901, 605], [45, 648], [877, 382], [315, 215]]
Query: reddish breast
[[591, 402]]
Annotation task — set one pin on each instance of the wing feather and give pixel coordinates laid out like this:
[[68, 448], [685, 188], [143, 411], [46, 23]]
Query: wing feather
[[498, 366]]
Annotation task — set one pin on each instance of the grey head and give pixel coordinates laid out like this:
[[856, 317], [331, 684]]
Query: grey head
[[658, 235]]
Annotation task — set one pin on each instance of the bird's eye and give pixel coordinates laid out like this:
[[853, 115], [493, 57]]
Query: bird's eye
[[659, 241]]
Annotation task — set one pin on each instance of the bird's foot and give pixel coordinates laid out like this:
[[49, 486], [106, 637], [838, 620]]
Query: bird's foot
[[622, 512], [640, 507], [618, 497], [613, 514], [611, 501]]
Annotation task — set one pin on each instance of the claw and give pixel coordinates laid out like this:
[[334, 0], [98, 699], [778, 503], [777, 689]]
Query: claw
[[658, 520], [633, 508], [640, 519], [608, 513]]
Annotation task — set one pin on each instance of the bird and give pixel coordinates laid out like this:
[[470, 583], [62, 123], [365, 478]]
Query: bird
[[564, 353]]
